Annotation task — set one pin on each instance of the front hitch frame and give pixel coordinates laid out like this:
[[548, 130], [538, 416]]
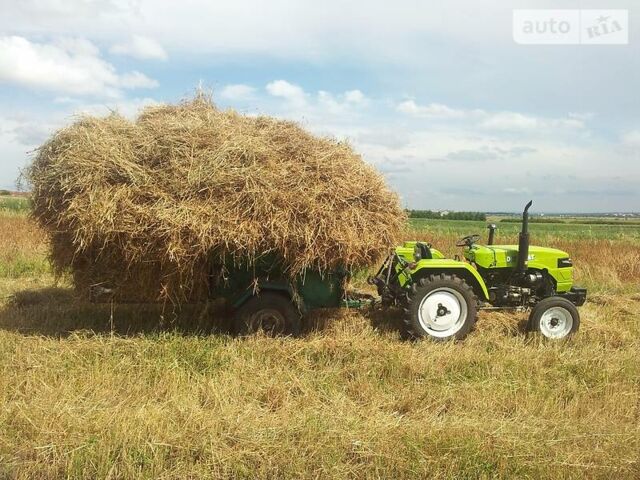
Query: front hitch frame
[[386, 280]]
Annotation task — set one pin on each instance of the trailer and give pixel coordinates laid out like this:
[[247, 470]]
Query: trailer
[[261, 297]]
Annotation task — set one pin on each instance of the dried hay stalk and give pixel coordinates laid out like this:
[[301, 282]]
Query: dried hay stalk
[[151, 205]]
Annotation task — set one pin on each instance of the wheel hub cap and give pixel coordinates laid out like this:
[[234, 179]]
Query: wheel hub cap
[[442, 312], [270, 321], [556, 322]]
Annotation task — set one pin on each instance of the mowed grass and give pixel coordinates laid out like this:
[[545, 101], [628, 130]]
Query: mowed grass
[[91, 392]]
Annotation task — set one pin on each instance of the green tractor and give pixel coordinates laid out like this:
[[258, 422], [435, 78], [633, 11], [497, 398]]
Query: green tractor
[[441, 297]]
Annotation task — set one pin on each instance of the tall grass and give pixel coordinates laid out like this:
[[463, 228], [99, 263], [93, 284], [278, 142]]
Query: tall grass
[[88, 395], [23, 247], [14, 204]]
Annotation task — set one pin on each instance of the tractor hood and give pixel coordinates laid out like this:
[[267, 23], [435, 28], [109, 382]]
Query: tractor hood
[[501, 256]]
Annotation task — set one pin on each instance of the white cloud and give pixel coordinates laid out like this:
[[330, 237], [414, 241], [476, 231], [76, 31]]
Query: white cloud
[[236, 92], [136, 79], [129, 108], [338, 115], [631, 138], [64, 99], [67, 66], [30, 130], [583, 116], [328, 103], [292, 28], [498, 121], [25, 132], [140, 47], [343, 103], [509, 121], [518, 121], [355, 96], [436, 110], [290, 92]]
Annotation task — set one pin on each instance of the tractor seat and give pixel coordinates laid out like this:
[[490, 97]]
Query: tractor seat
[[425, 250]]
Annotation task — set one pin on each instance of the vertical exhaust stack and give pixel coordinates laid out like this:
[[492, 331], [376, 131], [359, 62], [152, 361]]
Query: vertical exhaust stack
[[523, 241]]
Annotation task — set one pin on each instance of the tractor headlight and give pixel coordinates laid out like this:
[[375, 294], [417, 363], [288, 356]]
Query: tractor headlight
[[417, 254], [564, 262]]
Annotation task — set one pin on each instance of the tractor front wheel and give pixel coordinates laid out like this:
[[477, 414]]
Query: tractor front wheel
[[441, 307], [555, 318]]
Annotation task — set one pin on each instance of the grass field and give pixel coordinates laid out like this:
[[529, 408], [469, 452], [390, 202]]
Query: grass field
[[542, 231], [14, 204], [139, 396]]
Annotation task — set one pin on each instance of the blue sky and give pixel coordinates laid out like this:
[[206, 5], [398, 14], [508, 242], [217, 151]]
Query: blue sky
[[436, 95]]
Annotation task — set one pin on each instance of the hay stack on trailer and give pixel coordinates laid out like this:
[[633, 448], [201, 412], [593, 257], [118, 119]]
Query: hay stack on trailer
[[151, 206]]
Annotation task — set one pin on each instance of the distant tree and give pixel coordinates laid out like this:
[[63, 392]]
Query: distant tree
[[478, 216]]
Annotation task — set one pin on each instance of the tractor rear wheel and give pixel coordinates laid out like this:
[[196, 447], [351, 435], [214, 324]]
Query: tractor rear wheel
[[555, 318], [441, 307], [270, 313]]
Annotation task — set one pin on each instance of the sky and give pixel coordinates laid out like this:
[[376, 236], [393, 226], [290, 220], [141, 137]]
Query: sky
[[436, 95]]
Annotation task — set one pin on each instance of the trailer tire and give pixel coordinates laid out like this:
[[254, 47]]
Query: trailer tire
[[555, 318], [271, 313], [441, 307]]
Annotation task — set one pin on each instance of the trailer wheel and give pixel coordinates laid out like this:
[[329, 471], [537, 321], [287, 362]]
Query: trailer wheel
[[270, 313], [555, 318], [441, 307]]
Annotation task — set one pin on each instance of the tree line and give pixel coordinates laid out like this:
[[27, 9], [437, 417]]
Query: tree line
[[447, 215]]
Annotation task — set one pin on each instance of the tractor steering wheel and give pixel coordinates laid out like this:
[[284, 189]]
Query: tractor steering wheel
[[468, 240]]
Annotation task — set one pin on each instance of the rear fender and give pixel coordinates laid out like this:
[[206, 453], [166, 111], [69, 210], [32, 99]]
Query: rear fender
[[463, 270], [281, 287]]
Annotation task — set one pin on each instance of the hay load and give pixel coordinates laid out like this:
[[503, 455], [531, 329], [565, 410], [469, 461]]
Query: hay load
[[151, 206]]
